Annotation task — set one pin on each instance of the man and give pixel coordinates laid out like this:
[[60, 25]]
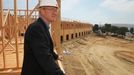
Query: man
[[39, 57]]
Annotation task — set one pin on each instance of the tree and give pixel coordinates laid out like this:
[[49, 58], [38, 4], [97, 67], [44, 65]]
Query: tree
[[114, 29], [95, 28], [131, 30], [108, 27], [123, 30], [103, 29]]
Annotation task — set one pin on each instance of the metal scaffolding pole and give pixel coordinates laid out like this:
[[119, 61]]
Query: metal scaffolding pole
[[16, 32]]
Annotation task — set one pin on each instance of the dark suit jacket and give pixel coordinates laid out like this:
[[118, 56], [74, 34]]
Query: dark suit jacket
[[39, 57]]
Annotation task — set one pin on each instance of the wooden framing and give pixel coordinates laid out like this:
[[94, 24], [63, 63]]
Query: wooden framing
[[56, 30], [27, 13], [16, 32], [14, 37], [2, 31]]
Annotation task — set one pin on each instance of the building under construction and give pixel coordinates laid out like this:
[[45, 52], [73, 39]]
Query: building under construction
[[13, 25]]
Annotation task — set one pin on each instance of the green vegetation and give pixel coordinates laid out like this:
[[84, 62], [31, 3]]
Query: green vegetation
[[112, 30]]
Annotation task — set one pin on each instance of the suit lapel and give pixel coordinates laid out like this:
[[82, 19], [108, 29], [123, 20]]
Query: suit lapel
[[45, 29]]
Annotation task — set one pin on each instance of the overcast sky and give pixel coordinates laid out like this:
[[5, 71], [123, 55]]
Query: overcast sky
[[92, 11]]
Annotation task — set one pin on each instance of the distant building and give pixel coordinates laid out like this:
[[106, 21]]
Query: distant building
[[74, 29], [129, 36]]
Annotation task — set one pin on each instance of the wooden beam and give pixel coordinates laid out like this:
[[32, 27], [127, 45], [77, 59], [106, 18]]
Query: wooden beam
[[2, 30], [16, 32], [17, 10], [56, 33], [8, 42], [33, 10], [56, 29], [27, 12], [5, 19]]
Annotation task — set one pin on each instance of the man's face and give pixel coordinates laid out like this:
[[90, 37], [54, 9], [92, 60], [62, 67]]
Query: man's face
[[49, 13]]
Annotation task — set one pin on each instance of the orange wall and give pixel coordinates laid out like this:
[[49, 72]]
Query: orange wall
[[71, 30]]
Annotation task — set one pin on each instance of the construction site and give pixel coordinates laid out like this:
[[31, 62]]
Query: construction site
[[84, 52]]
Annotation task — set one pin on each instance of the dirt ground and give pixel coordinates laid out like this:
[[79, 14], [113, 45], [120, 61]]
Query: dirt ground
[[89, 55], [92, 55]]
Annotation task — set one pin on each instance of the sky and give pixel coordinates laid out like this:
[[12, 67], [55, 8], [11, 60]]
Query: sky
[[91, 11]]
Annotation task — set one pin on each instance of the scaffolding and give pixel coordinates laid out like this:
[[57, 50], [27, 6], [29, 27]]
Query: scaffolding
[[12, 29]]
